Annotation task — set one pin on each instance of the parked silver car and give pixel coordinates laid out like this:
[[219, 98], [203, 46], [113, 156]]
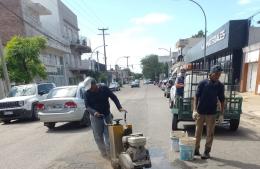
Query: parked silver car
[[63, 104], [114, 86]]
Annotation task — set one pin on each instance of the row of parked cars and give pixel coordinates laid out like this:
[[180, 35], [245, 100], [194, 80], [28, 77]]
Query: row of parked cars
[[48, 103], [166, 86]]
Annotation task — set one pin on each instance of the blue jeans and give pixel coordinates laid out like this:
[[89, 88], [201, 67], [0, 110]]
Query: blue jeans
[[100, 132]]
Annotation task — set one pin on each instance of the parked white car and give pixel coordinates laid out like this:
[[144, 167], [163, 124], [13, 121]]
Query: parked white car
[[21, 101], [64, 104]]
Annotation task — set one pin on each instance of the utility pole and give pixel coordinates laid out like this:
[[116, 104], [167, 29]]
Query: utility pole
[[7, 81], [104, 41], [97, 62], [127, 61]]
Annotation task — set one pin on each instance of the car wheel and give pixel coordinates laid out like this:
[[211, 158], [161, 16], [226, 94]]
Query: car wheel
[[234, 123], [85, 121], [6, 121], [175, 122], [170, 104], [34, 112], [167, 95], [50, 125]]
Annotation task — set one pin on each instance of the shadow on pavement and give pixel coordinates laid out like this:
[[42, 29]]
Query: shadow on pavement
[[223, 133], [69, 128], [21, 121], [236, 164]]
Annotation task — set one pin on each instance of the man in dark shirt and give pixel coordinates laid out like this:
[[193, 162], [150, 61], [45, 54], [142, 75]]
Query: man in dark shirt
[[97, 104], [208, 93], [179, 84]]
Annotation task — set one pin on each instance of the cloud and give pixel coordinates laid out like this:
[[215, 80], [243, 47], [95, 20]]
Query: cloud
[[152, 18], [246, 12], [128, 42], [244, 2]]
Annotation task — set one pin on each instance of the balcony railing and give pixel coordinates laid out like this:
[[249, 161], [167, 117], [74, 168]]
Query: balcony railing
[[82, 45]]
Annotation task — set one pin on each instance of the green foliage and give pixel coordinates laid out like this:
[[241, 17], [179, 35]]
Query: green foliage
[[22, 58], [1, 70], [152, 68], [200, 34], [102, 77], [137, 75]]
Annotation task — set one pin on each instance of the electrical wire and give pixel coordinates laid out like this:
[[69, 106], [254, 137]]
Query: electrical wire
[[86, 11], [82, 14], [93, 12]]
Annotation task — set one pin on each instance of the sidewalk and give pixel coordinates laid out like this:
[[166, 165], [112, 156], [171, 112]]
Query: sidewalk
[[251, 104]]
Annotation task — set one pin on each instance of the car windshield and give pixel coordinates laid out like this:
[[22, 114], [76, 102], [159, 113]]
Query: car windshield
[[25, 90], [112, 85], [45, 88], [63, 92]]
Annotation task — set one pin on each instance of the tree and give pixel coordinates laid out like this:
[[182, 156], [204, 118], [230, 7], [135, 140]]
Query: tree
[[1, 70], [22, 58], [200, 34], [152, 68], [137, 75], [102, 77]]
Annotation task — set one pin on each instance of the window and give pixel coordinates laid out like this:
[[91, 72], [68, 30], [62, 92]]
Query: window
[[63, 92], [45, 88], [25, 90]]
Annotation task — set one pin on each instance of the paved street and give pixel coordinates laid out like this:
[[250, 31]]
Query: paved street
[[29, 145]]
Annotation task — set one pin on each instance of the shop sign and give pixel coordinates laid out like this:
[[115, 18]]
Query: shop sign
[[252, 56], [216, 38]]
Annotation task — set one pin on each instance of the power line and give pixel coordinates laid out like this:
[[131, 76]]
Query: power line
[[93, 12], [22, 19], [83, 14], [92, 19]]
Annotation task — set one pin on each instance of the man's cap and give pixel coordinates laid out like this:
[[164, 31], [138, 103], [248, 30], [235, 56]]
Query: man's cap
[[216, 69], [88, 82]]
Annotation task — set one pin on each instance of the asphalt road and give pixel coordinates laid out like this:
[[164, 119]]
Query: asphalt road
[[30, 145]]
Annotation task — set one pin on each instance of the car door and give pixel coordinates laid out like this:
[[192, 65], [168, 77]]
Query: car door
[[80, 96]]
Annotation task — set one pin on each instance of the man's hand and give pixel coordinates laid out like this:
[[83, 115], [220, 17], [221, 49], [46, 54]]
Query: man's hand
[[122, 110], [97, 114], [195, 115], [220, 118]]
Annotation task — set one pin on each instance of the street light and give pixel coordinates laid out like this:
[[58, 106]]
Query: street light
[[121, 58], [170, 51], [205, 31], [92, 54], [118, 66]]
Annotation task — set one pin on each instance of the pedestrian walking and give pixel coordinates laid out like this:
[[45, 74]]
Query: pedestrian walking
[[209, 92], [97, 104]]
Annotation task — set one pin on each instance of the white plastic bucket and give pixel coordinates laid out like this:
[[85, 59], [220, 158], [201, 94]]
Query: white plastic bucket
[[175, 144], [187, 148], [175, 136]]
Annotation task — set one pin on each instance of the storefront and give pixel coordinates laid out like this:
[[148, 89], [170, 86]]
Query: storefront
[[225, 47], [251, 69]]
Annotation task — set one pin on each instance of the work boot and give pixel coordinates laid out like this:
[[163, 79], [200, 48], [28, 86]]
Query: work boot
[[205, 155], [197, 152]]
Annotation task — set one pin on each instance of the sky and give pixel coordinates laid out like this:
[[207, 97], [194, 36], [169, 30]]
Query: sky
[[137, 28]]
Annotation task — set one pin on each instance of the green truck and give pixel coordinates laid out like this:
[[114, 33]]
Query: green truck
[[182, 108]]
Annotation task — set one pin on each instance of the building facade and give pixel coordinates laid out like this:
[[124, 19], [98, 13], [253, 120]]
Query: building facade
[[52, 19], [251, 63], [63, 22]]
